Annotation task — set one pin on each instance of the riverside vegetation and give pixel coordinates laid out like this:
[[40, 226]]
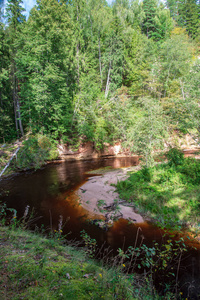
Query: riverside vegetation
[[168, 193], [34, 151]]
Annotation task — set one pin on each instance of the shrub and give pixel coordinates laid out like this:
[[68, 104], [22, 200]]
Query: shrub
[[35, 151], [191, 169], [175, 157]]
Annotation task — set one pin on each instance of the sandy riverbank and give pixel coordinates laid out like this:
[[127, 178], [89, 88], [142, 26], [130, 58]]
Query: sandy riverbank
[[98, 196]]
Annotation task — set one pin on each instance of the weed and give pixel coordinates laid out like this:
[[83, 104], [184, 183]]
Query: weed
[[90, 243]]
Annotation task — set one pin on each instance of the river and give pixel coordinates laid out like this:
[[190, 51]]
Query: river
[[50, 192]]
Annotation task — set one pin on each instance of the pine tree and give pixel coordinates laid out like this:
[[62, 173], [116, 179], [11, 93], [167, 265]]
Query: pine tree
[[150, 8], [192, 17], [46, 68], [6, 106], [186, 14]]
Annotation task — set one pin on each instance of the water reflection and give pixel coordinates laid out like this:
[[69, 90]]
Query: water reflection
[[50, 191]]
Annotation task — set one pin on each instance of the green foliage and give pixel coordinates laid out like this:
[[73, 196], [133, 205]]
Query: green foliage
[[48, 269], [100, 73], [90, 243], [148, 128], [170, 195], [191, 170], [157, 23], [35, 151], [186, 14], [175, 157]]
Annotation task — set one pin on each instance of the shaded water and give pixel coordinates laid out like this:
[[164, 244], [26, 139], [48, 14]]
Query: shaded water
[[50, 191]]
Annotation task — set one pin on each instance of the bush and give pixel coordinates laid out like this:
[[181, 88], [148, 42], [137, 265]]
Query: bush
[[35, 151], [191, 169], [175, 157]]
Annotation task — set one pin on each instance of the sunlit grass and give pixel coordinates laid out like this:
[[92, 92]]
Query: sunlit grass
[[34, 267], [169, 194]]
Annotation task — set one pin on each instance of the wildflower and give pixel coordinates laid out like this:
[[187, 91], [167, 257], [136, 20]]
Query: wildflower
[[100, 275], [123, 265]]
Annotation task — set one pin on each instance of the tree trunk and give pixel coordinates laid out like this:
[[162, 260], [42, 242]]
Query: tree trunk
[[108, 81], [18, 120], [7, 165], [77, 47], [15, 104], [19, 117], [100, 69]]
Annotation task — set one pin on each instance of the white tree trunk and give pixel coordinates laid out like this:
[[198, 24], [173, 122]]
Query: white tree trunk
[[4, 169], [108, 81]]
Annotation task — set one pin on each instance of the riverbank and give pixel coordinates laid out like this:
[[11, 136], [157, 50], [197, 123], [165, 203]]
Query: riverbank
[[35, 267], [98, 195], [38, 150], [168, 193]]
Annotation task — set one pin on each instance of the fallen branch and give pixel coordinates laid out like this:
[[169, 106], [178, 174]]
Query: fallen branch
[[4, 169]]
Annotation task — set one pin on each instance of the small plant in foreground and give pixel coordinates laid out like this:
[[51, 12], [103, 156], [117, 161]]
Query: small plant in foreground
[[90, 243]]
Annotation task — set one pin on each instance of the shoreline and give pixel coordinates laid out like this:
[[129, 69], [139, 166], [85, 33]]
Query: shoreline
[[98, 196]]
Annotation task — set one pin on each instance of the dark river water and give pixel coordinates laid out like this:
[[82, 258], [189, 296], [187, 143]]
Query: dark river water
[[50, 192]]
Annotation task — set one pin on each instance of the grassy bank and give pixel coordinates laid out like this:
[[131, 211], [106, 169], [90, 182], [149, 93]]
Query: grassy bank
[[35, 267], [168, 193]]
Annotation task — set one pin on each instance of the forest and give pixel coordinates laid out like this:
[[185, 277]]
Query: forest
[[85, 70], [79, 71]]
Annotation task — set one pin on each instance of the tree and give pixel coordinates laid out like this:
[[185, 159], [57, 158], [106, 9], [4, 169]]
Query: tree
[[150, 10], [113, 57], [186, 14], [138, 50], [148, 128], [6, 107], [46, 68], [187, 104], [175, 55], [15, 20]]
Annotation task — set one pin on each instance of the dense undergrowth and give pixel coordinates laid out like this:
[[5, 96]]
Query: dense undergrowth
[[169, 192]]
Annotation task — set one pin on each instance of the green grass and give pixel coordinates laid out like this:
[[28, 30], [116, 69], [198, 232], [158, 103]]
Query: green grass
[[167, 193], [34, 267]]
